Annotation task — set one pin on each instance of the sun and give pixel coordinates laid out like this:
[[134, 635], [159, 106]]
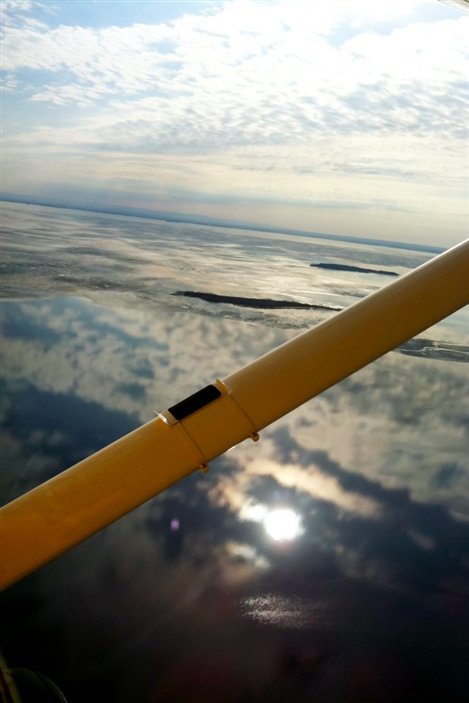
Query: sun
[[282, 524]]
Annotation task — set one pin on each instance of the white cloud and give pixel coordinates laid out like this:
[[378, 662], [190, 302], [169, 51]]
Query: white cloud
[[411, 81], [254, 79], [255, 72]]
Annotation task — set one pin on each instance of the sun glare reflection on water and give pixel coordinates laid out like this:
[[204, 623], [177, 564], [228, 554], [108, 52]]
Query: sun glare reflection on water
[[283, 524]]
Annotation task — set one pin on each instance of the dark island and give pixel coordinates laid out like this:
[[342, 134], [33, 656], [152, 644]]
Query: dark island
[[260, 303], [353, 269], [432, 349]]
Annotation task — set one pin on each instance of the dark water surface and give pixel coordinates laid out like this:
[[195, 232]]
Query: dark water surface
[[328, 562]]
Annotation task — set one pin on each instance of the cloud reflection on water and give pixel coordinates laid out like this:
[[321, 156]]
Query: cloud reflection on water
[[73, 354]]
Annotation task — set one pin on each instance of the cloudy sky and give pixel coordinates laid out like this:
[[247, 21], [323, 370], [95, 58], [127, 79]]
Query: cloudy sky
[[340, 117]]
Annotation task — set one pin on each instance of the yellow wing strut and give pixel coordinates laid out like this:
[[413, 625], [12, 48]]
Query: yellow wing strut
[[78, 502]]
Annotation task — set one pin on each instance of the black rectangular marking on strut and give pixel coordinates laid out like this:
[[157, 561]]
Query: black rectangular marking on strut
[[194, 402]]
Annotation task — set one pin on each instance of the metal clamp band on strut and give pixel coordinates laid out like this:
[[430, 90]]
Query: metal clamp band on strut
[[221, 385]]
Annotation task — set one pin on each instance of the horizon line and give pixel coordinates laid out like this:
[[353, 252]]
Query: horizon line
[[165, 216]]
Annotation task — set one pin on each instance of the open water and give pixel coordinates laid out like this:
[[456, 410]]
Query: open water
[[328, 562]]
